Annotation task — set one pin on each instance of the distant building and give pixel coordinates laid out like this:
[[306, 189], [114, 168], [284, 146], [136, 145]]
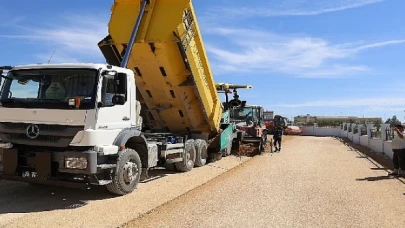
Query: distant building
[[314, 119]]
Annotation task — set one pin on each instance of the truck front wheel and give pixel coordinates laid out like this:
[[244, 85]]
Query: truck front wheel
[[127, 174]]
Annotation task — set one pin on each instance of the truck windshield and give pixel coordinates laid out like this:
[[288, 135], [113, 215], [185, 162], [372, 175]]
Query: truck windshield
[[49, 88], [244, 113]]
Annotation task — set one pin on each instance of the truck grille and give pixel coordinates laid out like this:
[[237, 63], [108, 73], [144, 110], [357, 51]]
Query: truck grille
[[39, 138], [42, 127], [51, 135]]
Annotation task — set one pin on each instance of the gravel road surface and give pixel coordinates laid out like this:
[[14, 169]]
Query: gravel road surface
[[26, 206], [313, 182]]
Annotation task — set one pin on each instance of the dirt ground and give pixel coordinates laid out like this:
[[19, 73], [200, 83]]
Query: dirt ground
[[312, 182], [26, 206]]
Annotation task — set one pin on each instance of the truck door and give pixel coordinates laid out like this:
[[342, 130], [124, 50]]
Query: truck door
[[110, 115]]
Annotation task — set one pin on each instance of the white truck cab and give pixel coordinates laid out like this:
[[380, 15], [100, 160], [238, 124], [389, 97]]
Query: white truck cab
[[75, 96], [74, 123]]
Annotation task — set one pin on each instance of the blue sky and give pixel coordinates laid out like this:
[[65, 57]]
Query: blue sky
[[325, 57]]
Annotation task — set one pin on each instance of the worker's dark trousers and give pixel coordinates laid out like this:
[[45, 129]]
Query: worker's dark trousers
[[398, 159], [277, 140]]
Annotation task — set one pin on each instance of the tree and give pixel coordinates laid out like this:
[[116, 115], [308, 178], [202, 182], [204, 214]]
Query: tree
[[310, 123], [328, 123], [393, 121]]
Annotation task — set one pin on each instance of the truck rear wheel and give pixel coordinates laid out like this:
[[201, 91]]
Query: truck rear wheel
[[127, 174], [189, 157], [201, 152]]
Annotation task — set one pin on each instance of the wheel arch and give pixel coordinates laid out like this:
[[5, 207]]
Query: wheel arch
[[134, 139]]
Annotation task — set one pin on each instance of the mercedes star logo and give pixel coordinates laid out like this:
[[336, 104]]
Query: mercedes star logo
[[32, 131]]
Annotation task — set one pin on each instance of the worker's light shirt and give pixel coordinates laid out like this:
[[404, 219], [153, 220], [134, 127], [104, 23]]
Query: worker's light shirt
[[397, 142]]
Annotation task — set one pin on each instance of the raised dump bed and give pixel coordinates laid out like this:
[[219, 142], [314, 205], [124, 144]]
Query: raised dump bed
[[173, 75]]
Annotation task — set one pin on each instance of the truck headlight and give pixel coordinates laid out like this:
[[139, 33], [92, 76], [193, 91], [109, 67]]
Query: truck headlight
[[76, 163]]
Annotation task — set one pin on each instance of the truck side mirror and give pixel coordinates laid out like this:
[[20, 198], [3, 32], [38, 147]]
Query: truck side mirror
[[121, 80], [118, 99], [121, 89]]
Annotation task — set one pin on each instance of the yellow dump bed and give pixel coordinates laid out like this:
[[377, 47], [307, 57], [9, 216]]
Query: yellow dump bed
[[172, 71]]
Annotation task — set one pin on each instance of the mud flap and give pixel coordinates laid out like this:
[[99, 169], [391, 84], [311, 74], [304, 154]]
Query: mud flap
[[10, 161], [43, 164]]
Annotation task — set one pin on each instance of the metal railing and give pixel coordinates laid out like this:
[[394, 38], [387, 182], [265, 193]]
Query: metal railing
[[389, 134], [356, 129], [375, 134], [363, 130]]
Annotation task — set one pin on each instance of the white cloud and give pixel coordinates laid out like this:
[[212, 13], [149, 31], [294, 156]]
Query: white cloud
[[73, 37], [292, 8], [7, 21], [298, 55]]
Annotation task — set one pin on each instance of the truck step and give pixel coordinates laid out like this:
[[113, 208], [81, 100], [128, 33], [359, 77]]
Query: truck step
[[106, 166]]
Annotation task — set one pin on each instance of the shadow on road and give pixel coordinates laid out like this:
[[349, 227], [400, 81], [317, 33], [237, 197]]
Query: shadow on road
[[379, 168], [380, 178], [361, 157], [157, 173], [17, 197], [377, 159], [374, 178]]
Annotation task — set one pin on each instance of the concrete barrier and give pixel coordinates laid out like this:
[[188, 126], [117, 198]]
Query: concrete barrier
[[379, 145]]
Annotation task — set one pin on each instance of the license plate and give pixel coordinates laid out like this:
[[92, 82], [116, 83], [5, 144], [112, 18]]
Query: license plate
[[28, 174]]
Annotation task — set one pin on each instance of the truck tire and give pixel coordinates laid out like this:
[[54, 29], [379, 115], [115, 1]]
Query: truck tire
[[201, 150], [217, 156], [170, 167], [235, 145], [189, 157], [228, 150], [127, 174]]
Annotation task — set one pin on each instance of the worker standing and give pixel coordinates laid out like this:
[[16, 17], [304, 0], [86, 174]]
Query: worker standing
[[277, 137], [398, 149]]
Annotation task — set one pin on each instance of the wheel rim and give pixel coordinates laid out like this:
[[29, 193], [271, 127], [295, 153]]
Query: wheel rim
[[130, 172], [188, 157]]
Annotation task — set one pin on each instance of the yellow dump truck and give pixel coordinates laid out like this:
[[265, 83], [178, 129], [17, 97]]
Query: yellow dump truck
[[153, 104], [173, 75]]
